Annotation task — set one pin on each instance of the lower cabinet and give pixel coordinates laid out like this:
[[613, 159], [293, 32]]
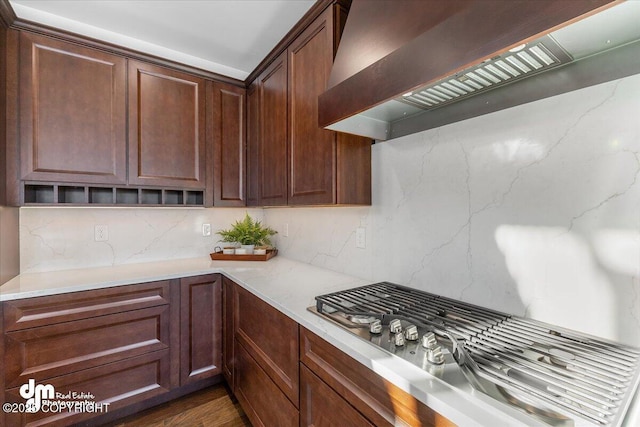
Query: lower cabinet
[[321, 406], [200, 328], [262, 400], [121, 348], [315, 384]]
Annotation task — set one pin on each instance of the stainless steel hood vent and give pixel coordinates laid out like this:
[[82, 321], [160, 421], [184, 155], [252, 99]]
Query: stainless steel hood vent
[[515, 64], [463, 64]]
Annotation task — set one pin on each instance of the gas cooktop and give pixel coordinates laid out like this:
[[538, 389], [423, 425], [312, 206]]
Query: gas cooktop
[[559, 376]]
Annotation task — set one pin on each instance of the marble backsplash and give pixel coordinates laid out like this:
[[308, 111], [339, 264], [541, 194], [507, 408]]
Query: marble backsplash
[[534, 210], [61, 238]]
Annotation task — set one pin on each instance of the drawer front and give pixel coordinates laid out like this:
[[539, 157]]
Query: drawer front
[[59, 349], [321, 406], [381, 402], [118, 384], [40, 311], [271, 338], [263, 402]]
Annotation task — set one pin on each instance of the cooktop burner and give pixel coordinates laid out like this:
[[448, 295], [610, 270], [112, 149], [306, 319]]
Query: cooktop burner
[[560, 376]]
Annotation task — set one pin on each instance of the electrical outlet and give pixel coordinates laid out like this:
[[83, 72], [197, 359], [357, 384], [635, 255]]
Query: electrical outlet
[[206, 230], [101, 233], [285, 230], [361, 237]]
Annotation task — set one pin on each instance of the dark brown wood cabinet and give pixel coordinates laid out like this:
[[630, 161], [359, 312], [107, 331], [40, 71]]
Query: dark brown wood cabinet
[[226, 111], [272, 141], [270, 337], [300, 163], [114, 343], [131, 346], [253, 148], [72, 114], [376, 399], [200, 328], [263, 402], [166, 127], [321, 406], [228, 340]]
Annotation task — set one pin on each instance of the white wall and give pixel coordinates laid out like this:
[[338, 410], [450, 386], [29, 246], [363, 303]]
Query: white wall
[[533, 210], [61, 238]]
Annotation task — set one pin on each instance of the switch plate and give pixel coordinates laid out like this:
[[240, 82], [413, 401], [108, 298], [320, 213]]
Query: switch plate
[[206, 230], [101, 233], [361, 237]]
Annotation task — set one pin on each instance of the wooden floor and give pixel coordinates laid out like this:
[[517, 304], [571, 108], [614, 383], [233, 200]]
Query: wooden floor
[[211, 407]]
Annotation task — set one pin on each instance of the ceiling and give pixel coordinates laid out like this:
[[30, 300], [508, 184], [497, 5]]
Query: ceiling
[[228, 37]]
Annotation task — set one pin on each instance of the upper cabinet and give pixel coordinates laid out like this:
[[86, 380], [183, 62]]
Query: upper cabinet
[[166, 127], [72, 112], [272, 134], [97, 128], [299, 162], [226, 106]]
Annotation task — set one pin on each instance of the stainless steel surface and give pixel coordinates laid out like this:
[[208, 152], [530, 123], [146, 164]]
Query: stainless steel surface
[[561, 377], [601, 48]]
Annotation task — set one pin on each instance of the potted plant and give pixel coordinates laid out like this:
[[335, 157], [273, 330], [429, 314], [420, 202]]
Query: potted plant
[[248, 233]]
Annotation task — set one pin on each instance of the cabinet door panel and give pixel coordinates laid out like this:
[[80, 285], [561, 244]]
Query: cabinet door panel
[[270, 337], [227, 110], [201, 328], [253, 145], [273, 133], [72, 112], [263, 402], [120, 384], [228, 343], [321, 406], [312, 149], [166, 127]]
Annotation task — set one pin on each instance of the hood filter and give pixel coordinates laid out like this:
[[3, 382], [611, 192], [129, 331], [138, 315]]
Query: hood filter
[[541, 55]]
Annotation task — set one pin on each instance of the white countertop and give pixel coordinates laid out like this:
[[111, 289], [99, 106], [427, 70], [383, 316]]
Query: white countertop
[[289, 286]]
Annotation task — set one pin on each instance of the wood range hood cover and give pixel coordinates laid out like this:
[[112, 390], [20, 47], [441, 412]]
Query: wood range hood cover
[[391, 47]]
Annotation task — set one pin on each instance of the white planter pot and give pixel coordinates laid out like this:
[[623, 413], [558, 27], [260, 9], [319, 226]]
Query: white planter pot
[[248, 248]]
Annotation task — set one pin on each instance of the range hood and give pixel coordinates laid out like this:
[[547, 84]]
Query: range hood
[[404, 66]]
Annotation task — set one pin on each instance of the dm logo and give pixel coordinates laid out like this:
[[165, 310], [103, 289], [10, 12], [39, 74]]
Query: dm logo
[[35, 394]]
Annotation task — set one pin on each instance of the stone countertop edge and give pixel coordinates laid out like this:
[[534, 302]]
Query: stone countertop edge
[[290, 286]]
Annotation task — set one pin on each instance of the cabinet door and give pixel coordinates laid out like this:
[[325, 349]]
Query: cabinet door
[[312, 149], [228, 340], [270, 337], [273, 133], [200, 328], [321, 406], [166, 127], [253, 145], [72, 112], [227, 107]]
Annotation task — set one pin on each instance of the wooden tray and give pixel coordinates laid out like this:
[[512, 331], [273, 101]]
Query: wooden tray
[[219, 256]]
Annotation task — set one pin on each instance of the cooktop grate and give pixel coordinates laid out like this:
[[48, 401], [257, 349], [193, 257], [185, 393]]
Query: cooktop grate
[[583, 375]]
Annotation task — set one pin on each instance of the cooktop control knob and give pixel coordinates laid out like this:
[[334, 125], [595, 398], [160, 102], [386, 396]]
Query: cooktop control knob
[[429, 340], [435, 356], [411, 333], [395, 326], [375, 327], [398, 339]]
